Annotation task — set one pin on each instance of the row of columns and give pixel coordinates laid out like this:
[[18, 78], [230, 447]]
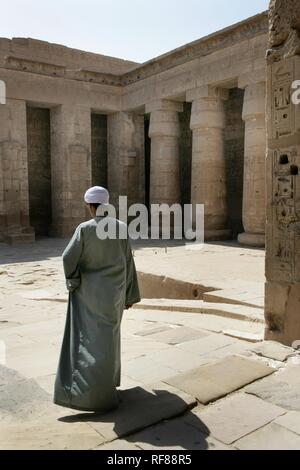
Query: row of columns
[[208, 159], [70, 170], [71, 165]]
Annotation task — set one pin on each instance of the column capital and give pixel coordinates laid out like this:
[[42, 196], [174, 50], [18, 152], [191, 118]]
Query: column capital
[[207, 92], [164, 105], [207, 114]]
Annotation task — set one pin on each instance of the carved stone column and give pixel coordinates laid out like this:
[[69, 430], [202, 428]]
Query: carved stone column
[[208, 159], [14, 197], [126, 161], [164, 132], [70, 167], [282, 310], [254, 213]]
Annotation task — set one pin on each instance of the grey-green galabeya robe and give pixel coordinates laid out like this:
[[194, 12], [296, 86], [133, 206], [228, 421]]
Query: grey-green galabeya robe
[[102, 280]]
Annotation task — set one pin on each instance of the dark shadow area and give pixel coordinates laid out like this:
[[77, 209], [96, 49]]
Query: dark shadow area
[[46, 248], [39, 169], [234, 139], [141, 411]]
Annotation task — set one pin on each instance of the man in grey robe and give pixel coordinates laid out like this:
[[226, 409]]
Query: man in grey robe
[[102, 282]]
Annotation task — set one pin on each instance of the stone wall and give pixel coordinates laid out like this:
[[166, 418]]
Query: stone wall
[[282, 309]]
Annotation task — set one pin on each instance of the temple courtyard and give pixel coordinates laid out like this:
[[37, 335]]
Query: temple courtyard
[[196, 371]]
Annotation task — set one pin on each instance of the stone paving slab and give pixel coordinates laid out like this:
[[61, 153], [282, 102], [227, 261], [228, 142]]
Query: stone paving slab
[[270, 437], [282, 389], [213, 381], [135, 347], [291, 421], [34, 360], [245, 335], [50, 434], [237, 416], [239, 312], [236, 348], [207, 322], [139, 408], [178, 335], [145, 370], [118, 444], [183, 433], [177, 359], [207, 344], [252, 297], [273, 350], [154, 330]]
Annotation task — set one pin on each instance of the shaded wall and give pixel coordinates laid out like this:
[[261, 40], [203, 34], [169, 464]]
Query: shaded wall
[[99, 149], [39, 169], [185, 148], [234, 135]]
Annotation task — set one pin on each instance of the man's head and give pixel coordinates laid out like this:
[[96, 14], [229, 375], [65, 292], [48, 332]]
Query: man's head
[[94, 197]]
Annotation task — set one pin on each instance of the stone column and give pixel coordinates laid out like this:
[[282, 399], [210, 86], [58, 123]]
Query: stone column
[[164, 132], [282, 309], [14, 197], [70, 167], [254, 213], [208, 159], [126, 157]]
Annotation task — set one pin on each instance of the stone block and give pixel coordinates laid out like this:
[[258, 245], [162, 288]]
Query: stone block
[[271, 437], [211, 382], [236, 416]]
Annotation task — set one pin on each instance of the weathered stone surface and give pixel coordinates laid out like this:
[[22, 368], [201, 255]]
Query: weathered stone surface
[[282, 264], [48, 434], [273, 350], [270, 437], [290, 421], [284, 15], [237, 416], [282, 389], [213, 381]]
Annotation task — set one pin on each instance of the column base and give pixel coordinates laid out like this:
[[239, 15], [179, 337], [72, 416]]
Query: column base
[[64, 230], [252, 239], [282, 313], [217, 235], [19, 237]]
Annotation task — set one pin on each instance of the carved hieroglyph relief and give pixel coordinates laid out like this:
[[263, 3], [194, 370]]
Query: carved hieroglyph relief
[[286, 177]]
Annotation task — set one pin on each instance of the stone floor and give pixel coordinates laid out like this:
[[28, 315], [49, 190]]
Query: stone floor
[[196, 375]]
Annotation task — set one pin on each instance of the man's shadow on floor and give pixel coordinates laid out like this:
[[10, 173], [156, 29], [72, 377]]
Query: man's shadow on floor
[[159, 419]]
